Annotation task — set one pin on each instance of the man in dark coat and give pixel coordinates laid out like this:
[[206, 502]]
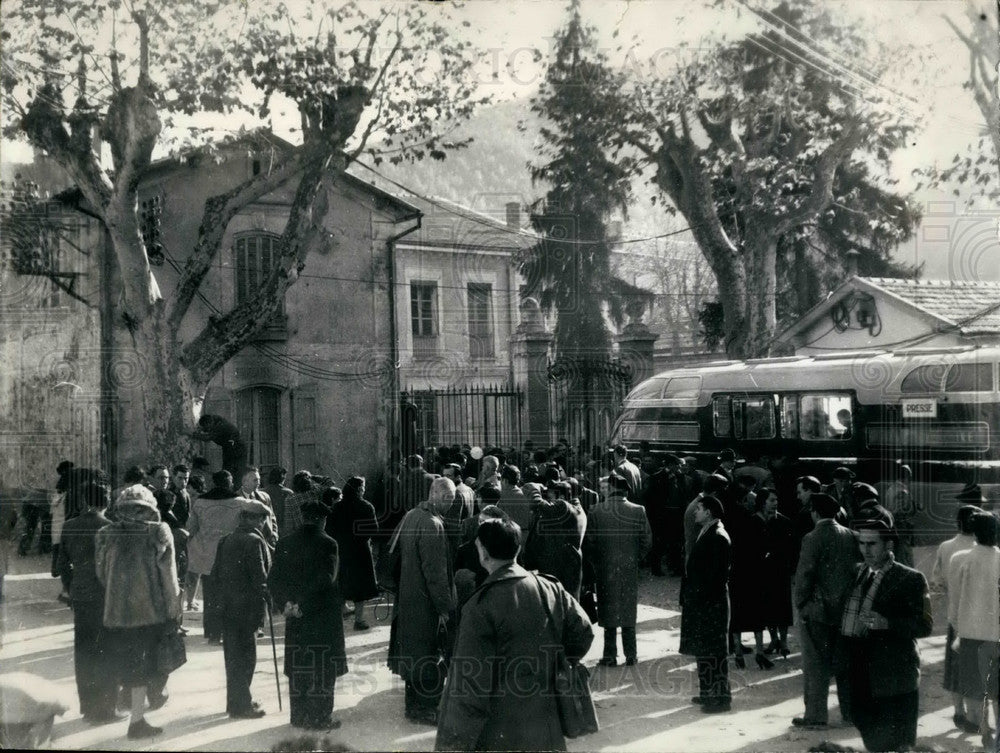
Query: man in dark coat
[[303, 583], [705, 612], [250, 489], [240, 574], [425, 604], [841, 491], [513, 620], [182, 497], [352, 523], [218, 430], [824, 576], [96, 678], [887, 610], [617, 538], [556, 537], [414, 482], [665, 495]]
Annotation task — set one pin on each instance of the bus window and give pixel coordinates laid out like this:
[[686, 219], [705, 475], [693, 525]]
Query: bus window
[[970, 377], [722, 423], [754, 417], [825, 417], [648, 390], [790, 416], [683, 387], [924, 379]]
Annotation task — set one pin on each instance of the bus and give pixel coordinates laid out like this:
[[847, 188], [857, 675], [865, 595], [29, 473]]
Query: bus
[[936, 410]]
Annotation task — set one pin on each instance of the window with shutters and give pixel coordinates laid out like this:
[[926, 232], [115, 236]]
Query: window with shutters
[[256, 255], [424, 318], [258, 417], [304, 422], [481, 320]]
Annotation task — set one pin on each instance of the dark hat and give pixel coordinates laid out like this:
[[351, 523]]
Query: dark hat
[[863, 491], [825, 505], [727, 455], [877, 514], [671, 459], [843, 472], [313, 508], [972, 493]]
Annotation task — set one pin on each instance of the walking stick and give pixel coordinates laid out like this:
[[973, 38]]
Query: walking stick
[[274, 654]]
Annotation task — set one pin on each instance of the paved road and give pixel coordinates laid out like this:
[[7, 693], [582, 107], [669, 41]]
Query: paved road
[[641, 708]]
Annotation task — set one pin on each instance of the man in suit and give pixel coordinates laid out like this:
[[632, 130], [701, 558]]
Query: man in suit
[[823, 579], [887, 609], [279, 493], [627, 470], [705, 613], [242, 561], [250, 489]]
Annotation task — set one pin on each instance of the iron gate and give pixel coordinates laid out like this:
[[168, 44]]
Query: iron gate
[[488, 416]]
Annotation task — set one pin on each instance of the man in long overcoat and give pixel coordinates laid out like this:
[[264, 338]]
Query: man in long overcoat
[[617, 539], [823, 578], [425, 603], [242, 561], [505, 625], [705, 613], [303, 583]]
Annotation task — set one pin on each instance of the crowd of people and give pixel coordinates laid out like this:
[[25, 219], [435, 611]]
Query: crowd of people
[[484, 558]]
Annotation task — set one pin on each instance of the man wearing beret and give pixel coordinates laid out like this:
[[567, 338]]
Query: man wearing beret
[[242, 561], [823, 579]]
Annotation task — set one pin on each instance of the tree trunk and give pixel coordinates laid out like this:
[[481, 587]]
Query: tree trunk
[[761, 255]]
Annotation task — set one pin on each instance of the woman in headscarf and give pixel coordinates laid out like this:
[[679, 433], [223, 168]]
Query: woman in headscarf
[[353, 523], [142, 599]]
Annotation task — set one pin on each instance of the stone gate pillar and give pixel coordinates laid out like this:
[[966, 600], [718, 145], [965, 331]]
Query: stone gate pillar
[[530, 347], [635, 347]]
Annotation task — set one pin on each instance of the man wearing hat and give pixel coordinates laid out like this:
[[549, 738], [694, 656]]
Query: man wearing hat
[[665, 496], [888, 608], [824, 576], [727, 464], [841, 491], [242, 561]]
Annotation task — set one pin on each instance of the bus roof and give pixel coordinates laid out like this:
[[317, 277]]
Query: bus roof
[[871, 374]]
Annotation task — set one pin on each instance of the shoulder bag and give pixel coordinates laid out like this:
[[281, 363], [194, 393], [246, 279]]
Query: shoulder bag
[[577, 714]]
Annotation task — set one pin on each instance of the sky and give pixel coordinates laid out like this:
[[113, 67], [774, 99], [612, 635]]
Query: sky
[[930, 67]]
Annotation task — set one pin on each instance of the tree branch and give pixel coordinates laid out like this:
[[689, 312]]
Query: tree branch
[[219, 211], [223, 337], [821, 193]]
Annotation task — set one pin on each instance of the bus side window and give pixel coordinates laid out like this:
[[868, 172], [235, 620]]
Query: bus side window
[[754, 417], [924, 379], [970, 377], [790, 416], [826, 417], [722, 420]]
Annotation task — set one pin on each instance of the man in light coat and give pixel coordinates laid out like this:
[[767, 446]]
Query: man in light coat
[[825, 575], [514, 619], [425, 604], [627, 470], [618, 537]]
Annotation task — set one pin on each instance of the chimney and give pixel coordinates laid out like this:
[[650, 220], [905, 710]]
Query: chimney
[[851, 263], [513, 214]]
